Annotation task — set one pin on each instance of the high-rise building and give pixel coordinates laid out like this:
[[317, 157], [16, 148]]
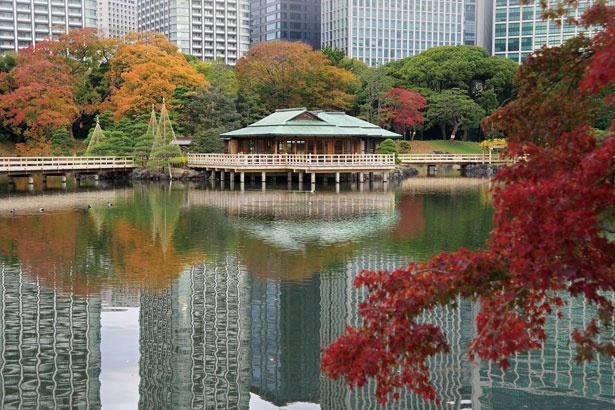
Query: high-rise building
[[519, 29], [26, 22], [211, 30], [379, 31], [292, 20], [116, 17]]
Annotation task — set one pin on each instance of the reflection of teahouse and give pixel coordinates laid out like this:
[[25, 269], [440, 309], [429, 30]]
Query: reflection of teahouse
[[299, 131]]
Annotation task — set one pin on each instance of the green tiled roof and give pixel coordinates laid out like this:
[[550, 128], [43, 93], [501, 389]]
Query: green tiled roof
[[299, 122]]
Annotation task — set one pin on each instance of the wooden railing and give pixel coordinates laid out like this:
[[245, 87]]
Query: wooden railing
[[418, 159], [286, 161], [42, 164]]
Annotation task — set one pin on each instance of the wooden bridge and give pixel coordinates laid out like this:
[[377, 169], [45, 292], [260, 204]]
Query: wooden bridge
[[61, 166], [452, 159]]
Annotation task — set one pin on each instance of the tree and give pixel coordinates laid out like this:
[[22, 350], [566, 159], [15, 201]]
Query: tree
[[467, 68], [37, 95], [208, 108], [554, 235], [372, 99], [404, 110], [453, 109], [145, 70], [291, 74]]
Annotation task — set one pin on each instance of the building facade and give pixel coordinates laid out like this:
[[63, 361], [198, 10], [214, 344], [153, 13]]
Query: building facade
[[211, 30], [116, 18], [292, 20], [519, 29], [379, 31], [26, 22]]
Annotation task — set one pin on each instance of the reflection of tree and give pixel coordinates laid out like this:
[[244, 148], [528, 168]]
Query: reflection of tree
[[142, 247], [46, 245], [87, 250], [411, 218]]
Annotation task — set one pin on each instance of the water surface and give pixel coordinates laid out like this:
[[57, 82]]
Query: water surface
[[185, 296]]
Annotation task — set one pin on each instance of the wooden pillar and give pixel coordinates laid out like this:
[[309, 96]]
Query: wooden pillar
[[222, 176], [301, 177], [242, 177], [313, 177], [361, 177], [337, 177], [289, 176], [385, 176], [232, 176]]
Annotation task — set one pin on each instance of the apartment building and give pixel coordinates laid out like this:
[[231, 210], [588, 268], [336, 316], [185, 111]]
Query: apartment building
[[519, 29], [116, 18], [212, 30], [379, 31], [292, 20], [26, 22]]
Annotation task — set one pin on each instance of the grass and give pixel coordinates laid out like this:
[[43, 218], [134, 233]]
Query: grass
[[457, 147]]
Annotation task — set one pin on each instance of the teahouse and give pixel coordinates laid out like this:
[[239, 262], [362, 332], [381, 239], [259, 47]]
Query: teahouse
[[299, 131], [298, 142]]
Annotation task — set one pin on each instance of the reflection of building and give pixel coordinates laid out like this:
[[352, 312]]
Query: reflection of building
[[194, 339], [451, 374], [551, 375], [284, 340], [49, 346]]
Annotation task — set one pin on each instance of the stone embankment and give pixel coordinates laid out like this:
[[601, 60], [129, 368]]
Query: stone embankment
[[179, 174], [482, 170]]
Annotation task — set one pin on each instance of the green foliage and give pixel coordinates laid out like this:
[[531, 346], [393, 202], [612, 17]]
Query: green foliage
[[207, 141], [334, 54], [452, 109], [178, 162], [404, 147], [62, 143], [221, 76], [7, 62], [388, 146], [372, 96], [209, 108]]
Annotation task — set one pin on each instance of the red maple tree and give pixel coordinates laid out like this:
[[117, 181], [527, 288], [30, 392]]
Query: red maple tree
[[554, 224], [403, 111]]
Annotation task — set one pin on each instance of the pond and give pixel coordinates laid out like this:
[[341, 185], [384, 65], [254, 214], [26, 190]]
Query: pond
[[185, 296]]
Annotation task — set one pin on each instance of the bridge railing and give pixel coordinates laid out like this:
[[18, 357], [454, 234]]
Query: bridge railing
[[25, 164], [290, 160], [451, 158]]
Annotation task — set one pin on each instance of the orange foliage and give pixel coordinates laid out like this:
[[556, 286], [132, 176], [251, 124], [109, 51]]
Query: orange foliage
[[144, 71], [291, 74]]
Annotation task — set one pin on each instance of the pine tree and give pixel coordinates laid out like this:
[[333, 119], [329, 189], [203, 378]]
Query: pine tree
[[162, 148], [96, 140]]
